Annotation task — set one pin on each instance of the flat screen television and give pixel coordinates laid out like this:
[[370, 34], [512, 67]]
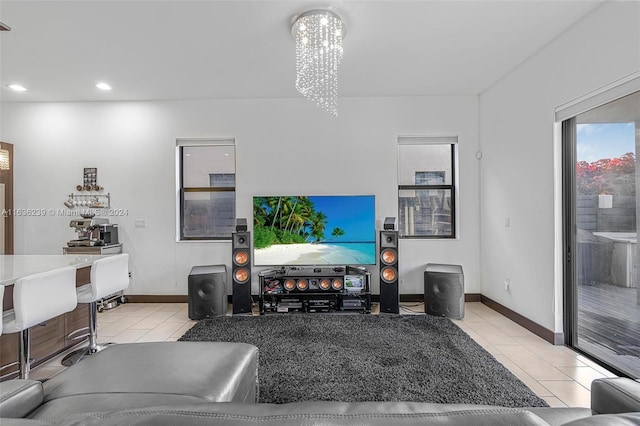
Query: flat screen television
[[314, 230]]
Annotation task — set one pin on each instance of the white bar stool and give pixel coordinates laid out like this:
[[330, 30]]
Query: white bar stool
[[36, 299], [109, 275]]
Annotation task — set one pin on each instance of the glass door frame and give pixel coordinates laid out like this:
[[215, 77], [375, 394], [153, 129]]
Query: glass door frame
[[569, 228], [570, 287], [566, 116]]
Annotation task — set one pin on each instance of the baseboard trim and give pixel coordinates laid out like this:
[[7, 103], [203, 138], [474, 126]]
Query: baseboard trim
[[534, 327], [160, 298], [472, 297]]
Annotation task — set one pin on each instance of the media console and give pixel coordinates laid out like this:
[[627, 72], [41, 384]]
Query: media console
[[340, 289]]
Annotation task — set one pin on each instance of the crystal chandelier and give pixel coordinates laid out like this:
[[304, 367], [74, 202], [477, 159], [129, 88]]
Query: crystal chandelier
[[318, 34]]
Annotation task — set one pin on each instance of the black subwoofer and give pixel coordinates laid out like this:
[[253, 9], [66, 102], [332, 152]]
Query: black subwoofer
[[207, 292], [444, 290], [389, 293], [241, 272]]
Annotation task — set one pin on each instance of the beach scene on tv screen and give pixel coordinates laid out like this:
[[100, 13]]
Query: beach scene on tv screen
[[314, 230]]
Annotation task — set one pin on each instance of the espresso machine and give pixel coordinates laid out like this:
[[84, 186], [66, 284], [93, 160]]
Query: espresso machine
[[88, 230], [95, 236]]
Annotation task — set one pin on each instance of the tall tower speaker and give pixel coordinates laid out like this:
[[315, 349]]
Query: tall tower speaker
[[389, 294], [241, 270], [207, 291], [444, 290]]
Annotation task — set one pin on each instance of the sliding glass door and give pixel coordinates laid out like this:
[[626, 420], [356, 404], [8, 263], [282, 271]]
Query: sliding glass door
[[601, 218]]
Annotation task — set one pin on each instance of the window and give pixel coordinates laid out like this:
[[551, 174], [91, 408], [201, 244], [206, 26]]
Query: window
[[426, 187], [207, 189]]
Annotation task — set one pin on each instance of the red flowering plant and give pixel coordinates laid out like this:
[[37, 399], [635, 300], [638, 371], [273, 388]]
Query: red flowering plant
[[607, 176]]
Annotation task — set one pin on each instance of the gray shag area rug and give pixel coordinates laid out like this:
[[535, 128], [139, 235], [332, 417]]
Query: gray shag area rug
[[333, 357]]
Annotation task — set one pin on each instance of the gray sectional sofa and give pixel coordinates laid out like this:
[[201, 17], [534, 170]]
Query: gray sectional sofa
[[197, 383]]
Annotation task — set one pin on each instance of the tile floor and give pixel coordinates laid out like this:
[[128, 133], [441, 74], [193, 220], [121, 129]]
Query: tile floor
[[559, 375]]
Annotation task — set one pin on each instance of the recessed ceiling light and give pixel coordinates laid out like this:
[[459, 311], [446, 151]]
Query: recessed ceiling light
[[17, 87], [103, 86]]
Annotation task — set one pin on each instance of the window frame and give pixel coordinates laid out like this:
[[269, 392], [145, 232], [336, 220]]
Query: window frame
[[182, 190], [452, 141], [566, 142]]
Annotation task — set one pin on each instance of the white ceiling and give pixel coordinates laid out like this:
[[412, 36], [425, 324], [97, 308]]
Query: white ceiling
[[176, 49]]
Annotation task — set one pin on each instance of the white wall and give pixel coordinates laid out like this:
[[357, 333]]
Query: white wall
[[517, 168], [284, 146]]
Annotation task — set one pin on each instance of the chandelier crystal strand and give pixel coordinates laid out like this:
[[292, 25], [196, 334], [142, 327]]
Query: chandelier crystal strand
[[318, 35]]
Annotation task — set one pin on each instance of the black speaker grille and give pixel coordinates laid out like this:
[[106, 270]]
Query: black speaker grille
[[241, 272], [444, 294], [389, 291], [207, 292]]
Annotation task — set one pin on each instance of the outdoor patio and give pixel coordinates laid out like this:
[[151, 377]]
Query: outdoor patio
[[609, 324]]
